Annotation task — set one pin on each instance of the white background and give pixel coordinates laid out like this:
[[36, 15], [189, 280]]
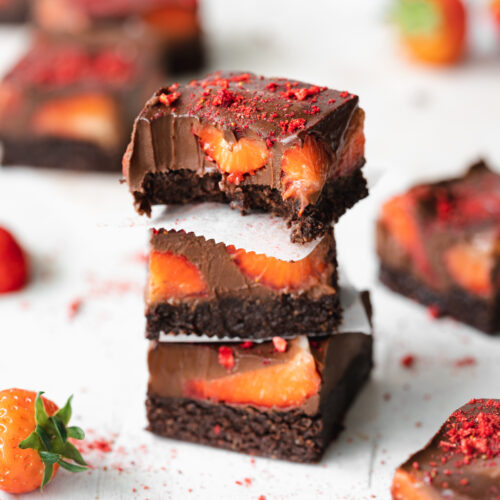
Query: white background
[[421, 122]]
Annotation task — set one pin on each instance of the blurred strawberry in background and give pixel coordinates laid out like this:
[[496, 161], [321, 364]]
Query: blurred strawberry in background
[[495, 9], [433, 31]]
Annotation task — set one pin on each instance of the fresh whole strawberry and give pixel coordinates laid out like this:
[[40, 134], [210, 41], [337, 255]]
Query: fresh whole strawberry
[[434, 31], [13, 264], [34, 441]]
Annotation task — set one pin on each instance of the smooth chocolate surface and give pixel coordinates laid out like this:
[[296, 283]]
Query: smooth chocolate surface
[[237, 303], [281, 112], [461, 460]]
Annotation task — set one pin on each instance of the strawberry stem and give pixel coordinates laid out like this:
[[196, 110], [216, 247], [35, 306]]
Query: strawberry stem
[[50, 440], [417, 17]]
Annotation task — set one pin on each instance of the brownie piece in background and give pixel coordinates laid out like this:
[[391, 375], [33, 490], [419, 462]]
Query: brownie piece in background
[[199, 287], [461, 461], [286, 147], [440, 245], [175, 24], [14, 11], [71, 105]]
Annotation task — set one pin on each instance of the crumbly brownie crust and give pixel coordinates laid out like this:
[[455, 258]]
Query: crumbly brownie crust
[[457, 303], [289, 435], [257, 319], [185, 186], [60, 153]]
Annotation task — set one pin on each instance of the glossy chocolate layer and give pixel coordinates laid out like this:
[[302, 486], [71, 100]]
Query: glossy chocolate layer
[[461, 462], [455, 214], [172, 365], [224, 278], [281, 112]]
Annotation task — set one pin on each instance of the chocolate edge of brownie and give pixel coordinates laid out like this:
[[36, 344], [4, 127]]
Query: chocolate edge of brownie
[[292, 435], [61, 153], [234, 317], [457, 303], [184, 186]]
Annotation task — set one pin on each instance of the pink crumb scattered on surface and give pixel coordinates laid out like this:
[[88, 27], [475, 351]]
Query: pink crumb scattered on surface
[[465, 361], [74, 307], [408, 361]]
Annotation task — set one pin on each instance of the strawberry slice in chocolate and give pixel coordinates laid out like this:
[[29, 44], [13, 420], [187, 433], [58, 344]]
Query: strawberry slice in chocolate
[[199, 287], [71, 105], [440, 245], [286, 147], [462, 461], [281, 398]]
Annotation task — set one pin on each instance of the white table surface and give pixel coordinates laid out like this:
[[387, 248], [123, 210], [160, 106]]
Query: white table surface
[[420, 122]]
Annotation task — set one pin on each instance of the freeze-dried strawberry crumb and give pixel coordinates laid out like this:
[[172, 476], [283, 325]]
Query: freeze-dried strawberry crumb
[[474, 432], [434, 311], [408, 361], [169, 99], [226, 357], [280, 344], [246, 345], [465, 361], [74, 308], [217, 429]]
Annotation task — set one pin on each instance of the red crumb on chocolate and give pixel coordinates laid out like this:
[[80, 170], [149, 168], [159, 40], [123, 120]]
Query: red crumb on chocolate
[[74, 308], [169, 99], [226, 357], [473, 432], [280, 344], [465, 361], [434, 311], [344, 94], [415, 465], [408, 361], [303, 93], [217, 429], [246, 345]]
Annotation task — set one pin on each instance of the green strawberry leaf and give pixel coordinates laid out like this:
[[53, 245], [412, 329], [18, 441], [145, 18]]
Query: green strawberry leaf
[[71, 452], [50, 440], [48, 457], [71, 467], [64, 414], [41, 416], [47, 474], [417, 17], [75, 433], [32, 441]]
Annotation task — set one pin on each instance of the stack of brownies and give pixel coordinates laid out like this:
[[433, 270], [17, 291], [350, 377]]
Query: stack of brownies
[[249, 352]]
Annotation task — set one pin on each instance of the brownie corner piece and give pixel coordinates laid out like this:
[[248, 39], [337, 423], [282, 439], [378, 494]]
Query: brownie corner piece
[[460, 461]]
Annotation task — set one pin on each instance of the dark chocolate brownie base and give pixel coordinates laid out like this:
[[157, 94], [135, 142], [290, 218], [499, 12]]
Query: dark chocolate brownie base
[[257, 319], [457, 303], [288, 435], [184, 56], [185, 186], [61, 154]]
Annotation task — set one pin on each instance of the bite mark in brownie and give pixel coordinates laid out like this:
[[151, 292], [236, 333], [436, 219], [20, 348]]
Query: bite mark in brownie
[[277, 145]]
